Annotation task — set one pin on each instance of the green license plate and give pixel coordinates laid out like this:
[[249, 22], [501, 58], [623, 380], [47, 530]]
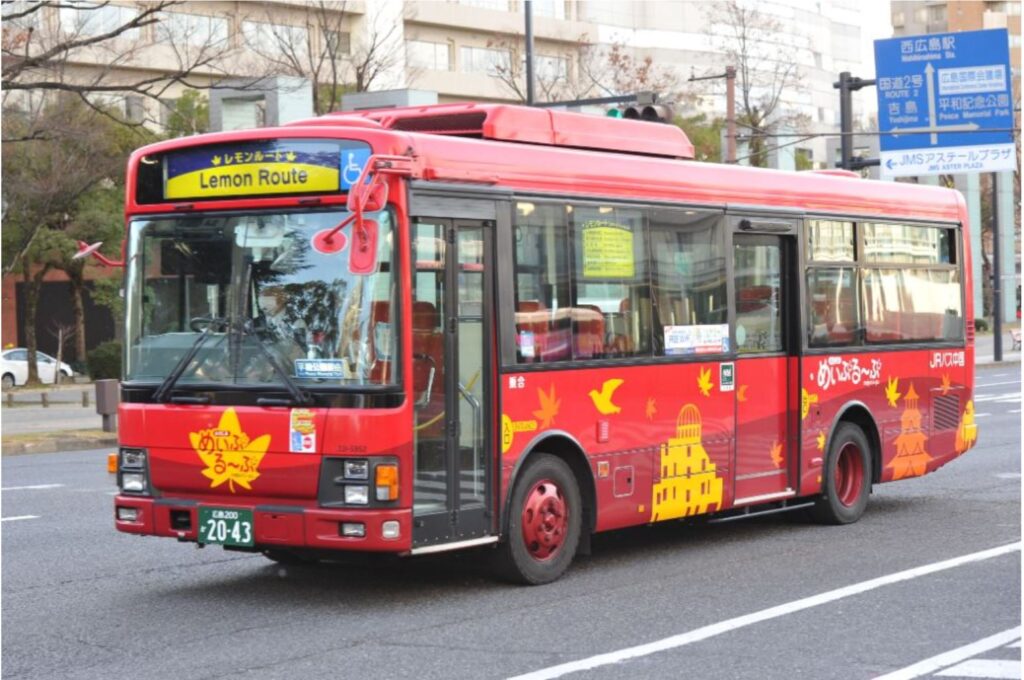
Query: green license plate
[[225, 526]]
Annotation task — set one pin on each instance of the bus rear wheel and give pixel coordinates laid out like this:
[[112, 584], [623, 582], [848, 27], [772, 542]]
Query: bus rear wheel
[[847, 482], [545, 520]]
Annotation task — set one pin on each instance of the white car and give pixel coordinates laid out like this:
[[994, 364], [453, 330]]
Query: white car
[[14, 367]]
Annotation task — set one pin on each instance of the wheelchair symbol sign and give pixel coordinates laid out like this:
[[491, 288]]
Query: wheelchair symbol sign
[[352, 162]]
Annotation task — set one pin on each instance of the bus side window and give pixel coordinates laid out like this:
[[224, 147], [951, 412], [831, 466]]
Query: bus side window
[[689, 272], [610, 286], [833, 309], [543, 316]]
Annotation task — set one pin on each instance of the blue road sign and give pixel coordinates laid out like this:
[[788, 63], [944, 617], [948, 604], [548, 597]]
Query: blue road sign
[[939, 93]]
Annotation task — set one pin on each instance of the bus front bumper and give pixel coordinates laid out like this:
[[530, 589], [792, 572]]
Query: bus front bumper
[[276, 526]]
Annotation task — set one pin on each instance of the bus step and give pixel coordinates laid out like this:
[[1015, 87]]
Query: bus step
[[747, 512]]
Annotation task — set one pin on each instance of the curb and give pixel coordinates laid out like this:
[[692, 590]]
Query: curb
[[57, 445]]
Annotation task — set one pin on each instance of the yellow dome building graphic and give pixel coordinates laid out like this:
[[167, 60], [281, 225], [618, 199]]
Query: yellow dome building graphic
[[688, 483], [911, 457]]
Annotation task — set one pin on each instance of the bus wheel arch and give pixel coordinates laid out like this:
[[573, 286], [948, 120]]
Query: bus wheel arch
[[849, 468], [858, 414], [552, 474]]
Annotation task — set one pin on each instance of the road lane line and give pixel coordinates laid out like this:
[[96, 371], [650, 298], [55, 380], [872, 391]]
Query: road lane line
[[1007, 669], [953, 656], [729, 625], [996, 384], [15, 519], [982, 415], [33, 486]]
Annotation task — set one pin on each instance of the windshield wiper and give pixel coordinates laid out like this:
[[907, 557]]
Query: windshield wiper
[[298, 396], [164, 389]]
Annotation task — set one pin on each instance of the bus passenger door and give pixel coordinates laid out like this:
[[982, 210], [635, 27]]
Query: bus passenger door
[[451, 373], [767, 425]]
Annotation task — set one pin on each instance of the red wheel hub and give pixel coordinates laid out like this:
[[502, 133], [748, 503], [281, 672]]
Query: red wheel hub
[[545, 520], [849, 476]]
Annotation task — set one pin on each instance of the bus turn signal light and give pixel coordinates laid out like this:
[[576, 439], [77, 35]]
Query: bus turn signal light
[[112, 462], [387, 482]]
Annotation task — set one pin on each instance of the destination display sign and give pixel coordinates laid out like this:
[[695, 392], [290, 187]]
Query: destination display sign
[[265, 168]]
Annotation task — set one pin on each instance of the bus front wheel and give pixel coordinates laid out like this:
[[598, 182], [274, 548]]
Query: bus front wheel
[[847, 479], [545, 520]]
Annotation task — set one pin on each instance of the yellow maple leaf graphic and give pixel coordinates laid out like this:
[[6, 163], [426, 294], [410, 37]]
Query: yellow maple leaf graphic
[[215, 160], [290, 156], [777, 454], [228, 453], [651, 408], [946, 384], [806, 399], [821, 441], [741, 393], [549, 406], [704, 383], [891, 392]]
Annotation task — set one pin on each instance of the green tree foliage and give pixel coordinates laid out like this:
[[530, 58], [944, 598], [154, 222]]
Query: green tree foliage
[[190, 115], [57, 190], [706, 136]]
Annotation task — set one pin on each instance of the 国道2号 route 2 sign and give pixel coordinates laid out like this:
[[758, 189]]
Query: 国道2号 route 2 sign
[[947, 97]]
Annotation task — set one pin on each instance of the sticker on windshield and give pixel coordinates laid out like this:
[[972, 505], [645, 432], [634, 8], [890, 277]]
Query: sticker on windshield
[[319, 368], [302, 431]]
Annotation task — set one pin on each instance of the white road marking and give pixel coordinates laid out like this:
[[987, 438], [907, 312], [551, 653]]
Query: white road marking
[[1008, 475], [15, 519], [1014, 410], [982, 415], [953, 656], [33, 486], [729, 625], [1005, 396], [984, 668], [996, 384], [1014, 645]]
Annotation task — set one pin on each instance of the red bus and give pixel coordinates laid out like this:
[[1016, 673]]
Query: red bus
[[415, 330]]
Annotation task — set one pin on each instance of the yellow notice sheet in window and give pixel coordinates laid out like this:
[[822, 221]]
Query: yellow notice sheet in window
[[607, 251]]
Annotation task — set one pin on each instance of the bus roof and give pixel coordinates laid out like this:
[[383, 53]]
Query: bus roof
[[543, 151]]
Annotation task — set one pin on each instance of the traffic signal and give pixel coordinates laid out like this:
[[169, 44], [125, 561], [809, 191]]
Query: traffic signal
[[651, 113]]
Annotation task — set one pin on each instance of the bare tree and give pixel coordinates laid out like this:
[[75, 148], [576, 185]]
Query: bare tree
[[43, 42], [766, 67], [322, 48], [615, 70]]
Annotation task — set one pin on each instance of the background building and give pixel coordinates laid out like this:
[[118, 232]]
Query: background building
[[282, 60]]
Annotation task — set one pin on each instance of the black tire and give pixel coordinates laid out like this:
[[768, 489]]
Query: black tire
[[8, 381], [847, 477], [546, 548]]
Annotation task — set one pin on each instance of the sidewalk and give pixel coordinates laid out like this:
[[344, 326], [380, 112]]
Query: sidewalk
[[984, 350], [66, 425]]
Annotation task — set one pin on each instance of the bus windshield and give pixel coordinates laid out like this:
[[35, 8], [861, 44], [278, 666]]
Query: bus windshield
[[266, 293]]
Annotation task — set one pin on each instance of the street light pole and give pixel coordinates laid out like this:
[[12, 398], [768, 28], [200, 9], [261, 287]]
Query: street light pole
[[528, 11], [730, 109], [730, 114]]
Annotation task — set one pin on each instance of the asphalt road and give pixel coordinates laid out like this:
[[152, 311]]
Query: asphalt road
[[82, 601]]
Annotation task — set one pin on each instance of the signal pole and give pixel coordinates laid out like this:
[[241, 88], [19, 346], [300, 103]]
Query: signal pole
[[847, 85], [997, 278]]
